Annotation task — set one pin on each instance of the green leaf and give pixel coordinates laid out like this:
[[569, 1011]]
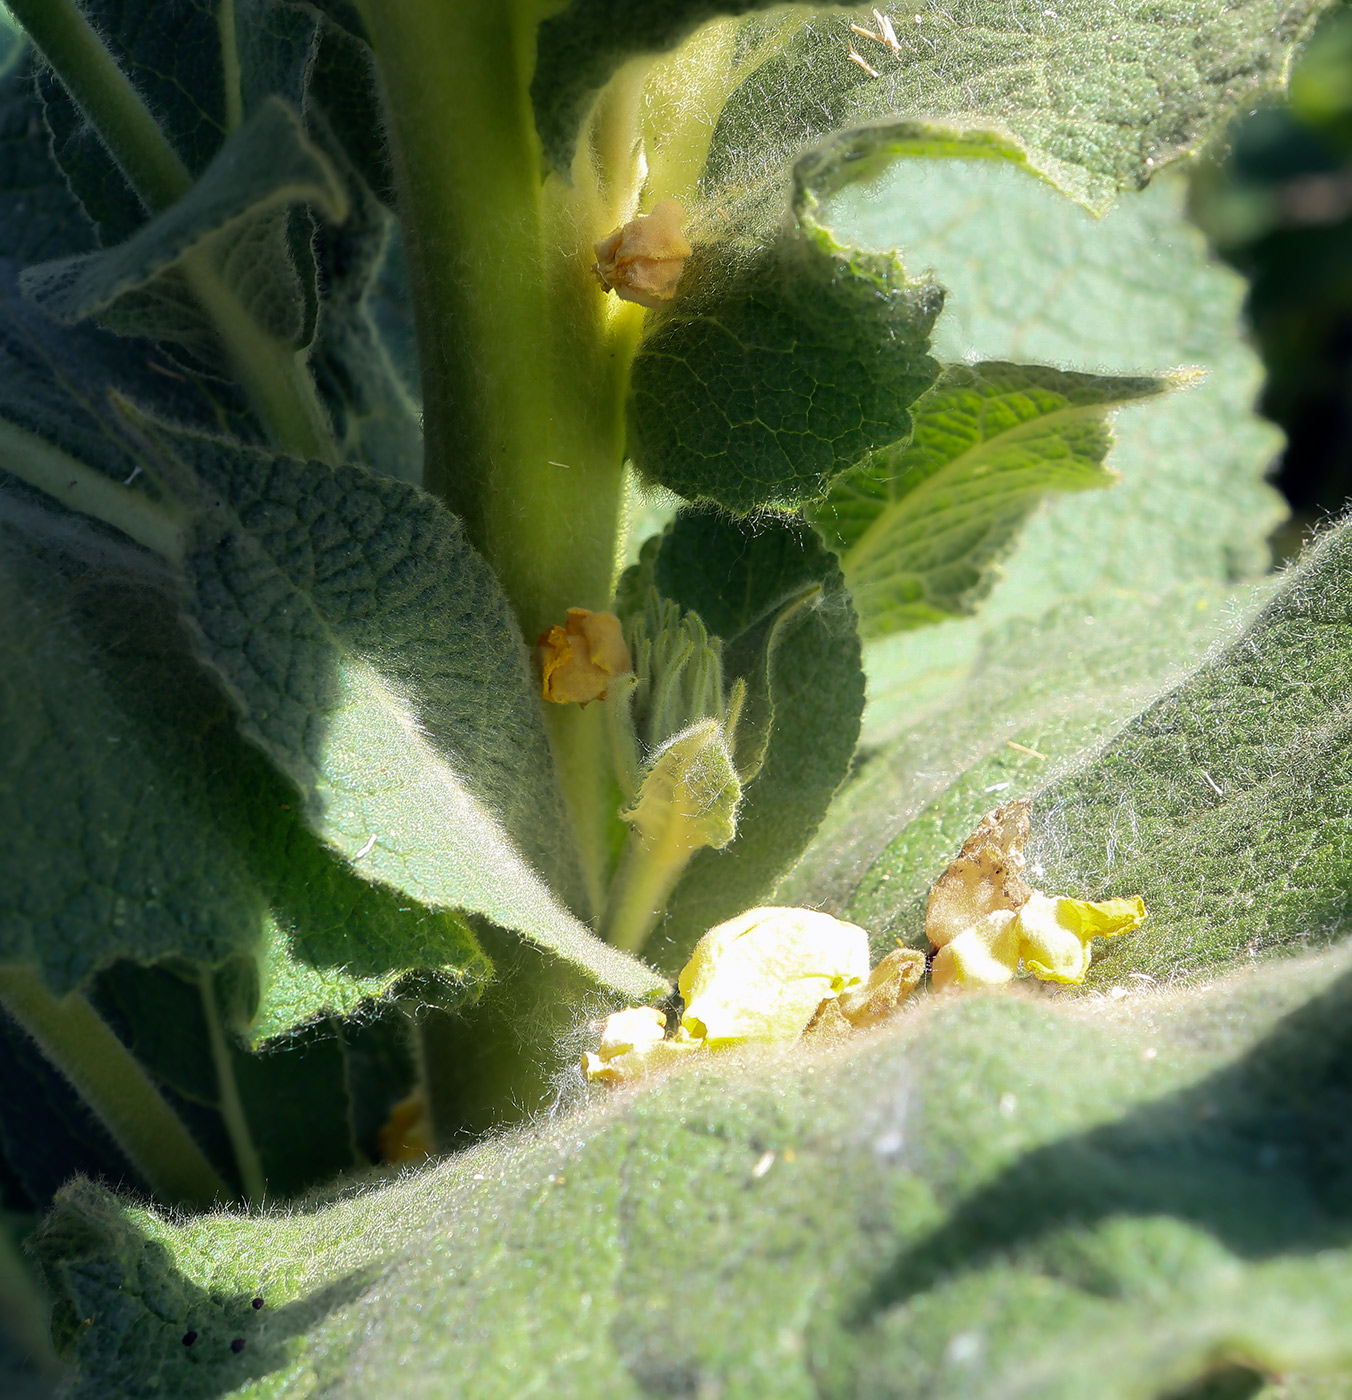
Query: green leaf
[[775, 596], [372, 656], [779, 367], [998, 1196], [1221, 803], [202, 68], [150, 830], [39, 218], [1225, 803], [236, 216], [1033, 278], [1098, 101], [919, 529], [581, 46]]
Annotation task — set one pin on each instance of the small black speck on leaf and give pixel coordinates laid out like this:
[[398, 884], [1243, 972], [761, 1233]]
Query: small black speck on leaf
[[189, 1338], [258, 1302], [237, 1345]]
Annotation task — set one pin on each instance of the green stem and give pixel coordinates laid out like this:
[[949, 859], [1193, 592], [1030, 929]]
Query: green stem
[[72, 1035], [643, 884], [105, 96], [276, 379], [524, 365], [227, 1088], [25, 1310], [36, 461]]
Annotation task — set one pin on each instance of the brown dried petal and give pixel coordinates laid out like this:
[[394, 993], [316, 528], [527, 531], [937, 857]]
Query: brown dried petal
[[987, 875]]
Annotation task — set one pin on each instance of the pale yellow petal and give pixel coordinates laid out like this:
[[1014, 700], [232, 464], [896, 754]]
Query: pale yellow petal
[[889, 984], [633, 1044], [1055, 934], [984, 955], [763, 975]]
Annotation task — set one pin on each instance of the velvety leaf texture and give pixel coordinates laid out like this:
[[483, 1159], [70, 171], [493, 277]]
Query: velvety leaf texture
[[1031, 277], [920, 528], [1099, 96], [373, 657], [586, 41], [808, 689], [238, 205], [151, 830], [1000, 1197], [779, 367], [173, 52], [1226, 802]]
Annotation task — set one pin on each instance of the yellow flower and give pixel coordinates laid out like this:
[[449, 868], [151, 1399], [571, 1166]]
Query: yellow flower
[[642, 261], [763, 975], [1052, 938], [631, 1044], [580, 659], [984, 919]]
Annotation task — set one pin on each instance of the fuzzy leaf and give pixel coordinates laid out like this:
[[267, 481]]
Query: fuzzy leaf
[[373, 657], [920, 528], [1098, 100], [1033, 278], [782, 365], [39, 218], [149, 829], [1000, 1197], [174, 52], [235, 215], [775, 596]]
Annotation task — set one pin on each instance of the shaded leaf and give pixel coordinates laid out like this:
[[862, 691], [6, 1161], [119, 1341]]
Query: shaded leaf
[[373, 657], [775, 596], [996, 1197], [39, 218], [150, 830], [919, 529], [175, 53], [780, 366], [235, 215]]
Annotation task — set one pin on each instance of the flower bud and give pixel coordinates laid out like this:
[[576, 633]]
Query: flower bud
[[642, 261], [580, 659]]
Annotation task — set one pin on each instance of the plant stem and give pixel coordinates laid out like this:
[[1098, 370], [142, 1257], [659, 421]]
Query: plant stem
[[227, 1087], [646, 878], [105, 96], [25, 1310], [72, 1035], [523, 364], [36, 461], [273, 375]]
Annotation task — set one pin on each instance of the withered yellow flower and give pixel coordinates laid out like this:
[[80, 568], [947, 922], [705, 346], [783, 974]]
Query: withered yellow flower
[[762, 976], [580, 659], [631, 1044], [984, 919], [642, 261]]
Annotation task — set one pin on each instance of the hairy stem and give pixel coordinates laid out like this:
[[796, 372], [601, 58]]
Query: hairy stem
[[643, 884], [36, 461], [523, 364], [231, 1106], [72, 1035], [276, 379]]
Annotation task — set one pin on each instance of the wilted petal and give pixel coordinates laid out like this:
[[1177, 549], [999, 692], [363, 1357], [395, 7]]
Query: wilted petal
[[984, 955], [642, 261], [1055, 934], [763, 975]]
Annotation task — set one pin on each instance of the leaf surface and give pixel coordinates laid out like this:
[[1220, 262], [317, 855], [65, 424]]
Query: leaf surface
[[236, 215], [373, 657], [920, 528], [997, 1197], [150, 829]]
